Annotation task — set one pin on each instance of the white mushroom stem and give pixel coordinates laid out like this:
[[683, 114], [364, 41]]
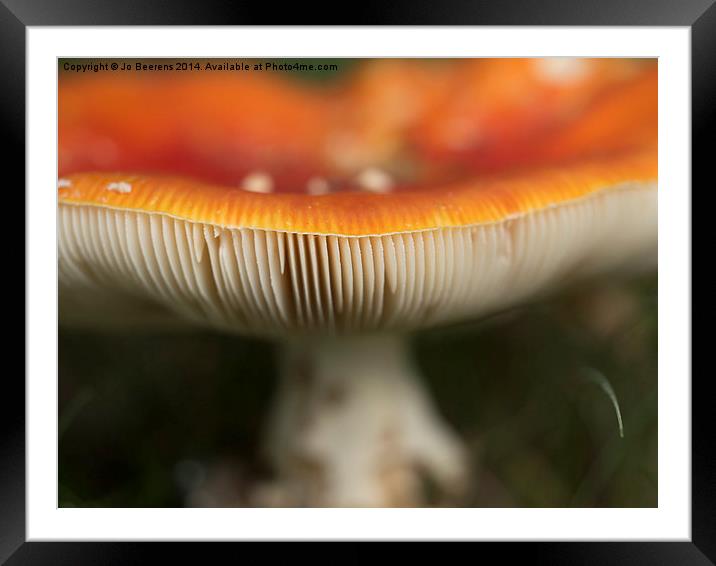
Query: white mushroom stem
[[353, 427]]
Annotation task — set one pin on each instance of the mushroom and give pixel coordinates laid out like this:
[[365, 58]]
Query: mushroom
[[238, 216]]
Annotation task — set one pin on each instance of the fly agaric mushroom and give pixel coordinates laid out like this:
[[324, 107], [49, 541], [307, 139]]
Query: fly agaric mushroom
[[336, 220]]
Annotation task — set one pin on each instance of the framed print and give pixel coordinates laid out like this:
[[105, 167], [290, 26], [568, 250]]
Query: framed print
[[336, 283]]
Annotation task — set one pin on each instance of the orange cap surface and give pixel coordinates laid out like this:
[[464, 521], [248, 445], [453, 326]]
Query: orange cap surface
[[401, 146], [407, 194]]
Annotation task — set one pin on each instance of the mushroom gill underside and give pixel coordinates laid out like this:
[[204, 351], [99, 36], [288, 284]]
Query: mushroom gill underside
[[276, 283]]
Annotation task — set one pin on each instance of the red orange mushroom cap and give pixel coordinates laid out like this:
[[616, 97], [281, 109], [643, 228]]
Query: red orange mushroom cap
[[408, 194]]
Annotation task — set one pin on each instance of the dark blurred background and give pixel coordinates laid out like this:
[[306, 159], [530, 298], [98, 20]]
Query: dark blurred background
[[146, 419]]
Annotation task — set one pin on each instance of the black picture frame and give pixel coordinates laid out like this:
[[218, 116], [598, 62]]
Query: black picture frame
[[17, 15]]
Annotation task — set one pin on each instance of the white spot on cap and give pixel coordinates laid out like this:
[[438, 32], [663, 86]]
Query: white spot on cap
[[258, 182], [375, 180], [120, 187], [345, 152], [562, 70], [317, 186], [62, 183]]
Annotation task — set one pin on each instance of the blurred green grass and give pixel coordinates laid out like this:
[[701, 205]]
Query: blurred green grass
[[138, 410]]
